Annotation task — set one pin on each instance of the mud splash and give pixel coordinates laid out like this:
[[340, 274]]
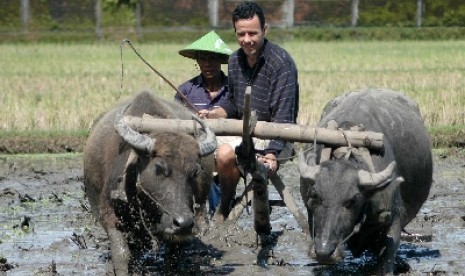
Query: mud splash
[[46, 228]]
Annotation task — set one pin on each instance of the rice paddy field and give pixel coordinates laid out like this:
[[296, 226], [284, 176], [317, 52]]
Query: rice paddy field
[[64, 87], [46, 227]]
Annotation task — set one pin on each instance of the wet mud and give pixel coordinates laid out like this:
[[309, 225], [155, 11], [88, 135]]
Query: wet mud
[[46, 228]]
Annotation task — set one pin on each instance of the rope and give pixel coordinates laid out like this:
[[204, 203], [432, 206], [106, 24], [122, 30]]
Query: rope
[[190, 105], [355, 230], [122, 69], [156, 201], [282, 158], [142, 219], [348, 143]]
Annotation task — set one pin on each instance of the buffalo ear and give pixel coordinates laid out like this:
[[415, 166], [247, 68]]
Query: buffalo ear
[[129, 173], [306, 171], [394, 184], [132, 160], [370, 180]]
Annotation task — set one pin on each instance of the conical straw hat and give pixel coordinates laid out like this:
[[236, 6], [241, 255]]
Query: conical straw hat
[[210, 42]]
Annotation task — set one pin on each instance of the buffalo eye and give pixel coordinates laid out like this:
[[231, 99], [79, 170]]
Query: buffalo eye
[[349, 204], [312, 202], [161, 168], [313, 199]]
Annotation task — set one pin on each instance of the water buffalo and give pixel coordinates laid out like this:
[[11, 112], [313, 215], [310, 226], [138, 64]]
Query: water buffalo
[[145, 187], [362, 200]]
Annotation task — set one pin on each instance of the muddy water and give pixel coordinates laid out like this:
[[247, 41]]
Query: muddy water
[[46, 228]]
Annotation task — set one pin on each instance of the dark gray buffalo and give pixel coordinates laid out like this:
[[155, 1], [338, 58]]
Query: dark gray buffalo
[[364, 199], [144, 187]]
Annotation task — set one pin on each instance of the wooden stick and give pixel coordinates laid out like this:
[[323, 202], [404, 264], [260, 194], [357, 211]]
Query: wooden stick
[[239, 207], [290, 202], [263, 130], [286, 196]]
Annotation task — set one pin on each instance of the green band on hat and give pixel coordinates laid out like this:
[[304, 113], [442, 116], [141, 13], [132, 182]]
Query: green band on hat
[[210, 42]]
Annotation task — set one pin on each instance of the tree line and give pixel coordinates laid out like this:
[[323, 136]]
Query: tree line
[[58, 15]]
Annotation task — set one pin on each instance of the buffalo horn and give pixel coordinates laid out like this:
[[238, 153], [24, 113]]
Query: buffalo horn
[[372, 180], [306, 171], [208, 145], [134, 138]]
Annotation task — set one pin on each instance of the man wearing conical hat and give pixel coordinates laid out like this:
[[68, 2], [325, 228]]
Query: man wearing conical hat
[[209, 89]]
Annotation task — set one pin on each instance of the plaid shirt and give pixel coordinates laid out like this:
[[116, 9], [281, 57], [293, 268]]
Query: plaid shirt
[[275, 88]]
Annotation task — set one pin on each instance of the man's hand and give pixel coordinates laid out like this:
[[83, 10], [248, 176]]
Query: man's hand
[[270, 160], [212, 114], [203, 114]]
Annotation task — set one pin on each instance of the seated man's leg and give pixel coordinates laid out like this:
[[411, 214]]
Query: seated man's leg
[[214, 195], [229, 176]]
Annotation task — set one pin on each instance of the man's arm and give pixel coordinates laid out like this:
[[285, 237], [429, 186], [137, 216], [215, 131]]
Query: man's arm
[[284, 101]]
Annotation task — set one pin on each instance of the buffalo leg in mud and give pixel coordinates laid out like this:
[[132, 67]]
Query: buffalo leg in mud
[[388, 254], [200, 212], [118, 245], [120, 192]]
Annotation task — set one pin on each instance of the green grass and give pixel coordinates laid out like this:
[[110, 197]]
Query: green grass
[[48, 87], [50, 157], [42, 133]]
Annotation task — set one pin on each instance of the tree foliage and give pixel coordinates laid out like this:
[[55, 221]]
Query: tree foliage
[[387, 13], [379, 13], [444, 13], [402, 13], [116, 4]]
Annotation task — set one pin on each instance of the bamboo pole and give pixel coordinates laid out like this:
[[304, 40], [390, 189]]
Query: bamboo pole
[[263, 130]]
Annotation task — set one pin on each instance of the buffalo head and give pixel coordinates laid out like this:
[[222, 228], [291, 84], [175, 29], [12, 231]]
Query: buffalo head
[[336, 194], [166, 170]]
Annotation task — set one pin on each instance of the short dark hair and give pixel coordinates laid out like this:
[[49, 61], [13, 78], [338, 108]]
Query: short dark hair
[[247, 10]]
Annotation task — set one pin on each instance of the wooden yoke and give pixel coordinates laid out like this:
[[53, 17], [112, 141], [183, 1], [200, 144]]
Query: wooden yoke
[[263, 130]]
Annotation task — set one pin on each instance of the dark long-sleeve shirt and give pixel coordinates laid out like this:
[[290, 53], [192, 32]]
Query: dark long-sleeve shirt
[[275, 88], [197, 94]]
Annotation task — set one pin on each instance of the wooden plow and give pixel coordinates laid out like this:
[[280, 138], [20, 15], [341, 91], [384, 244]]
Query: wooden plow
[[256, 191]]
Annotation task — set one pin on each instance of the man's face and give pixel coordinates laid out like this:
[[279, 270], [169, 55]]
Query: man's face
[[210, 65], [250, 36]]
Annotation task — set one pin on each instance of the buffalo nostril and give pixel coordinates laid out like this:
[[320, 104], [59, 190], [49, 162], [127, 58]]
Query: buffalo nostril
[[324, 249], [328, 252], [183, 223]]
